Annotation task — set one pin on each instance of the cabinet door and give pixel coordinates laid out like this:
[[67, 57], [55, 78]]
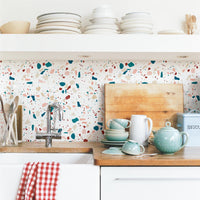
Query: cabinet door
[[154, 183]]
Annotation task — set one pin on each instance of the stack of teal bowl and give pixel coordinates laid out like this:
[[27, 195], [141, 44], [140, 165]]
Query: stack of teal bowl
[[117, 130]]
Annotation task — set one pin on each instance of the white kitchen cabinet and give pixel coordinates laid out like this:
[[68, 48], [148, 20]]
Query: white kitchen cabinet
[[156, 183], [78, 179]]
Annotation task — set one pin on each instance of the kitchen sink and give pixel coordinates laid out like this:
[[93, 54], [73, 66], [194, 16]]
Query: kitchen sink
[[62, 158], [78, 179]]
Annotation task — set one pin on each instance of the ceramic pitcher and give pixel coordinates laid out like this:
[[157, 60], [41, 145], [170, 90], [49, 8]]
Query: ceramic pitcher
[[139, 130]]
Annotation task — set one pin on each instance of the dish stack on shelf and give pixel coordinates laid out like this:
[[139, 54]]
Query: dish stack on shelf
[[59, 23], [103, 21], [137, 23], [116, 135]]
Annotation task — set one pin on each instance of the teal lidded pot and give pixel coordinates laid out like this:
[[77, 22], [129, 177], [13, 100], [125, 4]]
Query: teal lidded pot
[[169, 140]]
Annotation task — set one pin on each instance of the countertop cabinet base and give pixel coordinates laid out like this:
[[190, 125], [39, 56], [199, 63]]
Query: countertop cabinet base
[[174, 183]]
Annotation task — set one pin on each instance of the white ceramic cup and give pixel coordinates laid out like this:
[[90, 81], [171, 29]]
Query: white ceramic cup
[[139, 130]]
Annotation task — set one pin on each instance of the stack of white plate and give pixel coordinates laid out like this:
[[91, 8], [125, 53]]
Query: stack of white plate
[[103, 21], [59, 23], [137, 23]]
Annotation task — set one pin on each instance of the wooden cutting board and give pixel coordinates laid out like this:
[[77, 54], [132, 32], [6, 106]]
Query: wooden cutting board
[[160, 102]]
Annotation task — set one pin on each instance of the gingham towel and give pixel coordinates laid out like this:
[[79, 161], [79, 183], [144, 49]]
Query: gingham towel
[[39, 181]]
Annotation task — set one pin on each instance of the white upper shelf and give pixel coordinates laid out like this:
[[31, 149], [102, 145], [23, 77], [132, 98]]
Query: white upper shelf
[[96, 47]]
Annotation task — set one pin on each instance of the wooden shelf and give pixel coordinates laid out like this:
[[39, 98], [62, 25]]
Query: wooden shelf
[[99, 47]]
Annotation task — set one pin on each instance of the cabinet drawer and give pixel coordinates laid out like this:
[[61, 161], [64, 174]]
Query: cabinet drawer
[[154, 183]]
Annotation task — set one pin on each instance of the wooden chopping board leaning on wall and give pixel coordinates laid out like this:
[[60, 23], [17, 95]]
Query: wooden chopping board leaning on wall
[[160, 102]]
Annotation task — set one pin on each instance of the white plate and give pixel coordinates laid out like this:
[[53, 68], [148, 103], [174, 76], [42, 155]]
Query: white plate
[[137, 15], [59, 15], [58, 28], [101, 31], [130, 26], [137, 32], [171, 32], [71, 24], [140, 21], [101, 26], [57, 32], [139, 29], [60, 20]]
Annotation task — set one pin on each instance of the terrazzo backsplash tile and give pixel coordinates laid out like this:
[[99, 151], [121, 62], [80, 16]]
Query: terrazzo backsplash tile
[[79, 87]]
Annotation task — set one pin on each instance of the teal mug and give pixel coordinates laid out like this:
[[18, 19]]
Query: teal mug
[[132, 147], [125, 123], [111, 124]]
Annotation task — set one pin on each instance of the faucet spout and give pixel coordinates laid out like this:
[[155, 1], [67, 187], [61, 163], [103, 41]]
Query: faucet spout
[[56, 107]]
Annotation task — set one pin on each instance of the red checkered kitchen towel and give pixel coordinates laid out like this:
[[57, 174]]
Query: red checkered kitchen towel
[[39, 181]]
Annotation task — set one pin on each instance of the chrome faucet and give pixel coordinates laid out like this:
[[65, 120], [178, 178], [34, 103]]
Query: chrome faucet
[[56, 107]]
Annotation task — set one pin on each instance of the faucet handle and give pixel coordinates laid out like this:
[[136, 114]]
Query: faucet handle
[[40, 135], [46, 135]]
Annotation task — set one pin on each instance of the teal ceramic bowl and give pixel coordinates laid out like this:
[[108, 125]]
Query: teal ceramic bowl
[[114, 131], [117, 137]]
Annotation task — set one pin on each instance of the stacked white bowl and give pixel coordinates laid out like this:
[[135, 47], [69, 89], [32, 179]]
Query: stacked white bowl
[[58, 23], [137, 23], [103, 21]]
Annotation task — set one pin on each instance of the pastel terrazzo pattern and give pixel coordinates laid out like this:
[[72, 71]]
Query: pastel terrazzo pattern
[[79, 87]]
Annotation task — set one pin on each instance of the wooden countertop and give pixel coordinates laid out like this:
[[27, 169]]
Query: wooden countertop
[[189, 156]]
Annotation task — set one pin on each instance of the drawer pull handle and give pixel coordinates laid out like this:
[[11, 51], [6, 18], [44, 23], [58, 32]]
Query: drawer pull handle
[[157, 179]]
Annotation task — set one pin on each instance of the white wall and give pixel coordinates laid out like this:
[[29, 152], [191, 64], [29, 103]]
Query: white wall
[[166, 13]]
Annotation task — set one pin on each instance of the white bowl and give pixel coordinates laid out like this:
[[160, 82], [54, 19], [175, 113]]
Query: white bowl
[[102, 7], [103, 10], [104, 20], [103, 14]]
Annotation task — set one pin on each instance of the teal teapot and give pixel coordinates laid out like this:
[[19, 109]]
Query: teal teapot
[[169, 140]]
